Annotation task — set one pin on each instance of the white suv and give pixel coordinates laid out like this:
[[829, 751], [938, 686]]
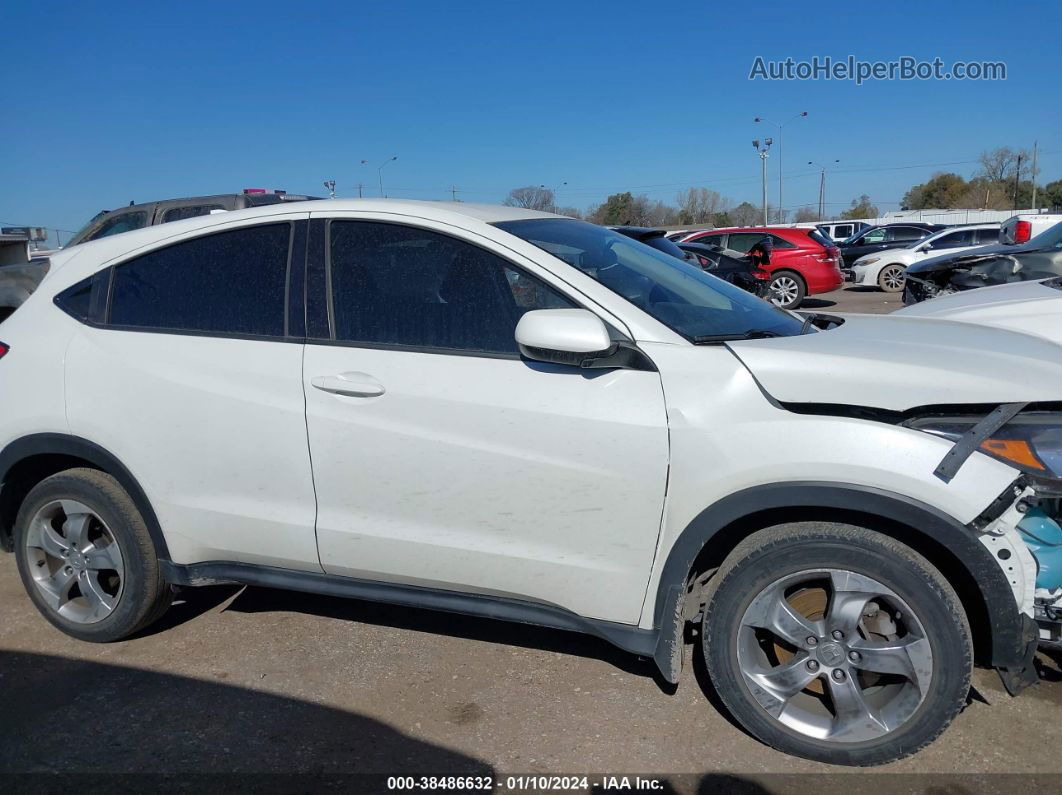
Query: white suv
[[507, 413]]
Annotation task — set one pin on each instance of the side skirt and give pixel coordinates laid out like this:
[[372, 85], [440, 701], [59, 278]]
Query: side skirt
[[635, 640]]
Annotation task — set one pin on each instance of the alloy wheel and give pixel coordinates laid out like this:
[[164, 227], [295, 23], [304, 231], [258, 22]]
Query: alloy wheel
[[892, 278], [75, 561], [834, 655], [784, 290]]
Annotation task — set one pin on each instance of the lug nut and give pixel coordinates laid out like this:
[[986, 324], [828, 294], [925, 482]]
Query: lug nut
[[838, 675], [813, 666], [812, 641], [853, 656], [837, 634]]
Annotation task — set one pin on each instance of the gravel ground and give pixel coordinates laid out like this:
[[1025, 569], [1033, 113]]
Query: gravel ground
[[259, 681]]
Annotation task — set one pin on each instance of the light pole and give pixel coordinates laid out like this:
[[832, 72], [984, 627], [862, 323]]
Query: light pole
[[361, 185], [331, 185], [762, 150], [553, 192], [758, 119], [822, 188], [379, 172]]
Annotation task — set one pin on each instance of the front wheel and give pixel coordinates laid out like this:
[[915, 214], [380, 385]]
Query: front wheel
[[835, 643], [892, 278], [787, 290]]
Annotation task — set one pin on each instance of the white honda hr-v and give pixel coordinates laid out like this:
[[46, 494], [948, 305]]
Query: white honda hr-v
[[507, 413]]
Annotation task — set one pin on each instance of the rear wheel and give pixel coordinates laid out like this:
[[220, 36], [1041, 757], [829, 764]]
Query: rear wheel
[[787, 290], [86, 558], [892, 278], [836, 643]]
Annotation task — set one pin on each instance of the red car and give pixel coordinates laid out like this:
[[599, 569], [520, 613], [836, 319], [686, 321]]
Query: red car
[[804, 261]]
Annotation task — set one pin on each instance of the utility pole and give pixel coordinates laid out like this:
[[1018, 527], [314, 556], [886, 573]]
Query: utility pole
[[822, 188], [453, 192], [1017, 178], [360, 186], [1034, 207], [801, 115], [762, 151]]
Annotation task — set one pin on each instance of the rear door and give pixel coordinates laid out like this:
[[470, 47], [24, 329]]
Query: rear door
[[191, 376], [443, 459]]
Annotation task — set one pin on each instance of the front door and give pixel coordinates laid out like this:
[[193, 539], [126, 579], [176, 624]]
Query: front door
[[443, 459]]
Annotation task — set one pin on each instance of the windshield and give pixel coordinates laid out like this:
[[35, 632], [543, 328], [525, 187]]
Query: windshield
[[85, 229], [680, 295]]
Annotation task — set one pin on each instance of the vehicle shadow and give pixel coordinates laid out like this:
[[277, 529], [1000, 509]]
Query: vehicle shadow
[[816, 303], [268, 600], [96, 720]]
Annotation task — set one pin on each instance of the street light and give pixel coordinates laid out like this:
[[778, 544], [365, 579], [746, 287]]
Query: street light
[[822, 188], [758, 119], [379, 172], [762, 150], [553, 192], [361, 185], [331, 185]]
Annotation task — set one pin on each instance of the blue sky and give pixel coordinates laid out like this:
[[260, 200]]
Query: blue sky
[[140, 101]]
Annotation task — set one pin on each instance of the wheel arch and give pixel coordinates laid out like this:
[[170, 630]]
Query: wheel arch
[[26, 461], [998, 626]]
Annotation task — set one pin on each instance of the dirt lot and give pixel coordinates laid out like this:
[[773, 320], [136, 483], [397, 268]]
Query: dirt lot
[[253, 680]]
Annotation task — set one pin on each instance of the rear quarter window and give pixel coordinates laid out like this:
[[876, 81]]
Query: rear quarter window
[[820, 238]]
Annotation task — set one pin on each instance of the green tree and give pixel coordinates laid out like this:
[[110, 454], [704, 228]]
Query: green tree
[[1052, 194], [943, 191], [615, 211], [861, 208], [745, 214]]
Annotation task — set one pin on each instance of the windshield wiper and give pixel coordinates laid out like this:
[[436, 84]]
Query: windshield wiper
[[751, 334]]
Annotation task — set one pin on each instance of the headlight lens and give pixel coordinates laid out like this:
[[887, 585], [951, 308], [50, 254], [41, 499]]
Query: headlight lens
[[870, 261], [1031, 442]]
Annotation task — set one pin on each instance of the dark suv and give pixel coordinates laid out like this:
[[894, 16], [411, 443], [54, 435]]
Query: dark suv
[[137, 216], [883, 236]]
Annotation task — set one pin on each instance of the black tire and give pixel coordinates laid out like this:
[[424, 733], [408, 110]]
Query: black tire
[[791, 550], [796, 295], [144, 594]]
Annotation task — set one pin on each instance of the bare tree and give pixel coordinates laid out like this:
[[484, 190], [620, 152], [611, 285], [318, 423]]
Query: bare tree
[[806, 214], [998, 165], [699, 206], [531, 198]]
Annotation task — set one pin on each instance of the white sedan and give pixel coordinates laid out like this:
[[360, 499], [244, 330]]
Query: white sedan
[[886, 269]]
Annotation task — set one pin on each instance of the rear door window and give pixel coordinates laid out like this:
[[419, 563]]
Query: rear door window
[[905, 234], [963, 237], [741, 242], [871, 237], [229, 283]]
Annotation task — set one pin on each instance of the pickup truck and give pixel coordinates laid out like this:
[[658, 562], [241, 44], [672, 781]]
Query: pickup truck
[[1023, 227], [18, 280]]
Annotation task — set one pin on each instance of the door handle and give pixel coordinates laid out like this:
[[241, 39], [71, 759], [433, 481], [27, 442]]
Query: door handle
[[349, 385]]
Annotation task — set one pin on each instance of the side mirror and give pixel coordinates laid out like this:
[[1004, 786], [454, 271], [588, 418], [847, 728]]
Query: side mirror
[[563, 336], [925, 247]]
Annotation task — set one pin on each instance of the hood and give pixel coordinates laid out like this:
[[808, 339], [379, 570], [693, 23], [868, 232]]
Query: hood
[[1029, 307], [945, 261], [898, 362]]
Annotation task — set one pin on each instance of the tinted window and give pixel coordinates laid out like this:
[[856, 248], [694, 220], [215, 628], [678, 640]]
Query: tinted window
[[665, 245], [126, 222], [743, 241], [180, 213], [985, 237], [902, 234], [841, 231], [820, 238], [964, 237], [397, 285], [228, 283], [781, 242]]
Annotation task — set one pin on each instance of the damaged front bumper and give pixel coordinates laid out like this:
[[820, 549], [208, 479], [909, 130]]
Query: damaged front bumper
[[1021, 531]]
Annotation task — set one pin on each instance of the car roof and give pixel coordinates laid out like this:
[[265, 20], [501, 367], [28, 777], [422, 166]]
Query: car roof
[[461, 214]]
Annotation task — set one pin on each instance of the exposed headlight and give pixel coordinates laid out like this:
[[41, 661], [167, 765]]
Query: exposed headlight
[[1031, 442], [870, 261]]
